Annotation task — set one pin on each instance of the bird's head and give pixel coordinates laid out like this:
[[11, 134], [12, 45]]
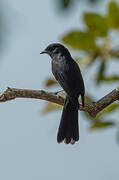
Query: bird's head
[[56, 49]]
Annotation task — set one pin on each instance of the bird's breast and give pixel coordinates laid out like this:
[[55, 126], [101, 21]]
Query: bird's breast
[[58, 65]]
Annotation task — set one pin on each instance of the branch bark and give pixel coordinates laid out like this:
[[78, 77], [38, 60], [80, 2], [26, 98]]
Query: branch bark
[[92, 108]]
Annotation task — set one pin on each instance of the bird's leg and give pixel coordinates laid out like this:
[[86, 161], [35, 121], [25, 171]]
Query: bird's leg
[[58, 92], [83, 100]]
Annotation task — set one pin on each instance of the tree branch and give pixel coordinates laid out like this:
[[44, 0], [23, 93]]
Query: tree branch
[[92, 108]]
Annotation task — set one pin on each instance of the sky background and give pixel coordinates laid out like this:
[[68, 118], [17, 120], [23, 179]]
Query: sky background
[[28, 147]]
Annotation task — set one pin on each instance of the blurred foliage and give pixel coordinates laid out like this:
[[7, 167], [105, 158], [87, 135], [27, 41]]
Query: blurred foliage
[[111, 108], [97, 28], [93, 22], [100, 73], [65, 5], [51, 107], [50, 82], [80, 40], [113, 15], [102, 125]]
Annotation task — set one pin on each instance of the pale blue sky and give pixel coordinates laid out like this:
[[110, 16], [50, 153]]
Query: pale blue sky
[[28, 147]]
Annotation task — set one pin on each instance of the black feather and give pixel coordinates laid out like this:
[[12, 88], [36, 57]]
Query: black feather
[[68, 74]]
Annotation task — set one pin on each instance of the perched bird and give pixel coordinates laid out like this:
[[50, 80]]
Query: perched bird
[[68, 74]]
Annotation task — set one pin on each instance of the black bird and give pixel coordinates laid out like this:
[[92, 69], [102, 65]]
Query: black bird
[[68, 74]]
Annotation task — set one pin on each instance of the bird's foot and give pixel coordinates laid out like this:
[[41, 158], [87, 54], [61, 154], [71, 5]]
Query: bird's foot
[[58, 92]]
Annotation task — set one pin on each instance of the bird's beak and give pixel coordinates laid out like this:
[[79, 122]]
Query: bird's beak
[[44, 52]]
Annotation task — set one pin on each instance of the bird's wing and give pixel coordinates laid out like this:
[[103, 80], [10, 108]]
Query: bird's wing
[[69, 88], [66, 82], [70, 79], [63, 81]]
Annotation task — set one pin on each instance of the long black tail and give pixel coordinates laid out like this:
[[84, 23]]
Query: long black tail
[[68, 129]]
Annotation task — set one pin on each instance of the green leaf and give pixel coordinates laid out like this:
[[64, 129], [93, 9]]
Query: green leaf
[[84, 60], [51, 107], [80, 40], [91, 118], [110, 78], [100, 74], [49, 82], [97, 24], [89, 99], [88, 116], [112, 107], [109, 109], [113, 15], [101, 125]]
